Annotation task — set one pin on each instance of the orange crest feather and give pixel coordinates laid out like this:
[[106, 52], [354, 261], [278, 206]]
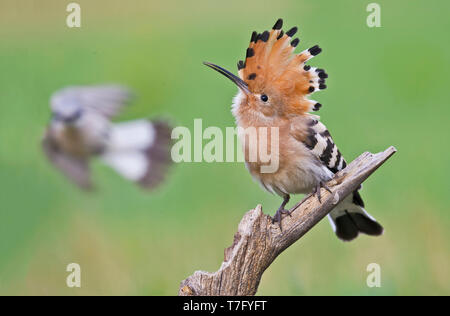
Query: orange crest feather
[[271, 64]]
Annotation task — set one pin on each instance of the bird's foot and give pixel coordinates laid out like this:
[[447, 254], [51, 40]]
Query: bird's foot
[[278, 216], [317, 189], [281, 210]]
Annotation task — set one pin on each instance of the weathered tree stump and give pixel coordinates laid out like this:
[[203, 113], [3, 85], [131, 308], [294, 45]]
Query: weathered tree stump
[[258, 242]]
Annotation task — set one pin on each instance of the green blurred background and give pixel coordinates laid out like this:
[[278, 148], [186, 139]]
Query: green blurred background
[[387, 86]]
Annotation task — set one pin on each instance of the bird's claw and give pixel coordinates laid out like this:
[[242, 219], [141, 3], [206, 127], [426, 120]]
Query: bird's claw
[[281, 210], [319, 186], [278, 216]]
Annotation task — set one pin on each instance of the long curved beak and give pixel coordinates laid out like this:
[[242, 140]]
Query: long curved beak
[[238, 81]]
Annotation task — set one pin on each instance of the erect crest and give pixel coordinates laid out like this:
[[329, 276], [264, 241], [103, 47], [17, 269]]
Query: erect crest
[[271, 62]]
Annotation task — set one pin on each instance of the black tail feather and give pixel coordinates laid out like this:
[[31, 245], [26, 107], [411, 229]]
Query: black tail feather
[[346, 228], [366, 225], [349, 225]]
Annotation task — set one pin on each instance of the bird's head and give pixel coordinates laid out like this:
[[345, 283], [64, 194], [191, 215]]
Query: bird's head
[[273, 81], [66, 109]]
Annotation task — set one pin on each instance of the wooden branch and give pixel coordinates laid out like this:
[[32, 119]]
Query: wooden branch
[[258, 242]]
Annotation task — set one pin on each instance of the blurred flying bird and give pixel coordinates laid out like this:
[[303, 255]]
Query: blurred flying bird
[[274, 84], [80, 129]]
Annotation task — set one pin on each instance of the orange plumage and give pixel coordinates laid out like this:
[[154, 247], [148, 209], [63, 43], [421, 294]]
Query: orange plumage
[[274, 85], [272, 64]]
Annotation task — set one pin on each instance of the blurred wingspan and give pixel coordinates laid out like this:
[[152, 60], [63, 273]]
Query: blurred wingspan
[[104, 99], [140, 151], [158, 154], [76, 169]]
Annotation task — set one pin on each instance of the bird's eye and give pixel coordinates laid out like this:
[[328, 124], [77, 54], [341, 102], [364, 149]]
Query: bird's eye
[[264, 98]]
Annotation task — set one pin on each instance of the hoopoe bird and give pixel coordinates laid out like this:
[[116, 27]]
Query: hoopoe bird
[[80, 129], [274, 84]]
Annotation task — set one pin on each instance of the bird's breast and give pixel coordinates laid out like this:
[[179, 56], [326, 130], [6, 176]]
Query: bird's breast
[[292, 168], [71, 141]]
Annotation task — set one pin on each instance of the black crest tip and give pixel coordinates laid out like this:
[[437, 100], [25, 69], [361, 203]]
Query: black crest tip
[[317, 106], [240, 65], [280, 35], [250, 52], [253, 38], [315, 50], [278, 24], [295, 42], [264, 36], [292, 31]]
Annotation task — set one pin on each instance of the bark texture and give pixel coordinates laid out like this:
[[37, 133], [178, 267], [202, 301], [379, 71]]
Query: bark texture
[[258, 242]]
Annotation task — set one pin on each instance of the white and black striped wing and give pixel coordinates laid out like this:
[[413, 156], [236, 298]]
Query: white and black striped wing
[[321, 144], [349, 217]]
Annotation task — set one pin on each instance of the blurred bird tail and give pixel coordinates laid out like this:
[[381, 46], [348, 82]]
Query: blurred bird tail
[[349, 218], [140, 151]]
